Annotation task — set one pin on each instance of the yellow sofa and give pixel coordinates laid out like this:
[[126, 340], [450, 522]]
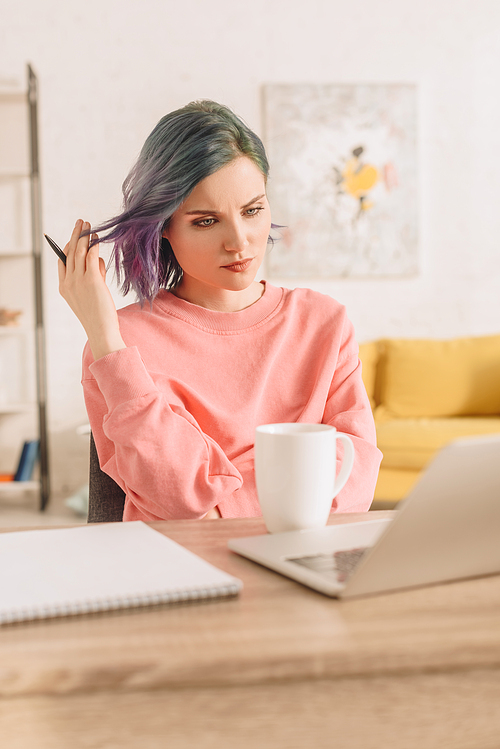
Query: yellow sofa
[[425, 393]]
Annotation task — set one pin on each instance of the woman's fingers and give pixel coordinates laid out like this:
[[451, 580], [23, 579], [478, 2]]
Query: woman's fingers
[[102, 268], [94, 262], [77, 249], [70, 248], [82, 283], [78, 257], [82, 248]]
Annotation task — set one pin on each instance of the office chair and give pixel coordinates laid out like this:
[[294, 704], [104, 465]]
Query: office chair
[[106, 498]]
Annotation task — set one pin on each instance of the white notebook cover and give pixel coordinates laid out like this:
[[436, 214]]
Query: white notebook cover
[[45, 573]]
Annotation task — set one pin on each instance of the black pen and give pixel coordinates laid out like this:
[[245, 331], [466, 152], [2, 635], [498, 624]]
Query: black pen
[[60, 254]]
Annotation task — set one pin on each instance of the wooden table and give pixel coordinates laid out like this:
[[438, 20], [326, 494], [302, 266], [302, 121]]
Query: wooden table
[[280, 666]]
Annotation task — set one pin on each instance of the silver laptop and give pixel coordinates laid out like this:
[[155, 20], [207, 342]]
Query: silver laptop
[[448, 528]]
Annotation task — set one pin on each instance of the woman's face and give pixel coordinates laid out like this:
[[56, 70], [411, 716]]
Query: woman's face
[[219, 234]]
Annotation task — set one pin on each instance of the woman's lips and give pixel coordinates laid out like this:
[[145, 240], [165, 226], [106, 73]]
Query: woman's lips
[[240, 266]]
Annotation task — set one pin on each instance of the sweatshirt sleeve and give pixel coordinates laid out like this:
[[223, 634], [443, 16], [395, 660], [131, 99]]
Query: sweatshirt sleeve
[[348, 410], [154, 450]]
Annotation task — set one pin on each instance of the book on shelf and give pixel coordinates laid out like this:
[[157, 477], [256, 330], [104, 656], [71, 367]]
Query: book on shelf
[[27, 461]]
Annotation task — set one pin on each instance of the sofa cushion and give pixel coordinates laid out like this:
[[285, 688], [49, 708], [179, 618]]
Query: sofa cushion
[[432, 378], [411, 443], [394, 484], [369, 354]]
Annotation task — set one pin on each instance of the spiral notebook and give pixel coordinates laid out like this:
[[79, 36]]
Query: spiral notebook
[[47, 573]]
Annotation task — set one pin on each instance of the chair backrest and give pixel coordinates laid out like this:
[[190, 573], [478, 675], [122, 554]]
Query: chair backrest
[[106, 498]]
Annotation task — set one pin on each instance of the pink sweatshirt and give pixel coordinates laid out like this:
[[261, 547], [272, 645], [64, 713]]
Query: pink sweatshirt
[[173, 415]]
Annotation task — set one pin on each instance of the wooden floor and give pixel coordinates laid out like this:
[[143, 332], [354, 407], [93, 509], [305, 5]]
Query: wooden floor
[[22, 511]]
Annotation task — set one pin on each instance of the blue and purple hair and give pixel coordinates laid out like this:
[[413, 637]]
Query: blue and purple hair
[[186, 146]]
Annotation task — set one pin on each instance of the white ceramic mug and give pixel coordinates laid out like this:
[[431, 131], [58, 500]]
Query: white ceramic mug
[[295, 472]]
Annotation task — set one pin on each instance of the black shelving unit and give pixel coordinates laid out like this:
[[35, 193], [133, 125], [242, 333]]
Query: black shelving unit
[[25, 104]]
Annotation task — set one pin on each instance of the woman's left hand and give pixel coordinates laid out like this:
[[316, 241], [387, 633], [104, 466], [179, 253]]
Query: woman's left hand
[[212, 514]]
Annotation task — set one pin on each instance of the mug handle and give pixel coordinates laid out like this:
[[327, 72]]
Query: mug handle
[[347, 462]]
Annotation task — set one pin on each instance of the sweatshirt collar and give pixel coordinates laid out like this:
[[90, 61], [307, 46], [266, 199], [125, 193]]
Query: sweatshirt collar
[[223, 322]]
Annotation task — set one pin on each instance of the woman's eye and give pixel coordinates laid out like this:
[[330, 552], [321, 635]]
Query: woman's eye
[[254, 211], [205, 222]]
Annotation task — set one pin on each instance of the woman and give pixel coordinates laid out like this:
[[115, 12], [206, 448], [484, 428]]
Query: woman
[[176, 384]]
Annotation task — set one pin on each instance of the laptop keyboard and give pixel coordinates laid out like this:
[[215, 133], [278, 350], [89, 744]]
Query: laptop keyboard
[[338, 566]]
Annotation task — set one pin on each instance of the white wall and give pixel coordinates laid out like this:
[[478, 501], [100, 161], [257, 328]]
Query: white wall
[[109, 70]]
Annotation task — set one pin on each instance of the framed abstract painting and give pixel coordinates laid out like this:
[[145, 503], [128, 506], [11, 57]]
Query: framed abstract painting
[[343, 181]]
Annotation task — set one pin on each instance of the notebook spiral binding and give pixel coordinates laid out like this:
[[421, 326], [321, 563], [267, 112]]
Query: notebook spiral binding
[[74, 608]]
